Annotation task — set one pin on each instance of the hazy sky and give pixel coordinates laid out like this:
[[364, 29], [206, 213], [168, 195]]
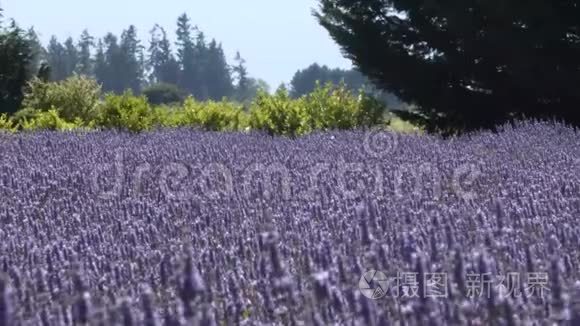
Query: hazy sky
[[276, 37]]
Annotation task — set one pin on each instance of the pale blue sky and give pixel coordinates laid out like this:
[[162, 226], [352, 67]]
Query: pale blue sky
[[276, 37]]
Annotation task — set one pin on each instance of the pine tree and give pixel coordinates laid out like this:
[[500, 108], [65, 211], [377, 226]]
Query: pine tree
[[38, 51], [16, 56], [242, 82], [71, 57], [131, 74], [56, 57], [114, 65], [186, 54], [100, 64], [466, 64], [85, 61], [217, 73], [162, 63], [201, 66]]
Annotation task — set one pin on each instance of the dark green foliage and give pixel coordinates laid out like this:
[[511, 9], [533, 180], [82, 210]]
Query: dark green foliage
[[163, 93], [304, 81], [186, 54], [85, 61], [131, 52], [243, 83], [109, 64], [466, 64], [119, 65], [71, 57], [162, 62], [16, 56], [38, 52], [204, 70], [44, 72], [216, 75], [58, 60]]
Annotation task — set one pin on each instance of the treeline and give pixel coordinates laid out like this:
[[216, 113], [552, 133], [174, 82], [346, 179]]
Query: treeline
[[194, 64], [41, 87]]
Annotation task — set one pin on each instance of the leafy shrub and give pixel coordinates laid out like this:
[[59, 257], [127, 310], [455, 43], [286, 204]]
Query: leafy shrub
[[164, 93], [328, 107], [278, 114], [125, 112], [335, 107], [24, 114], [167, 116], [211, 115], [74, 97], [49, 120], [6, 124]]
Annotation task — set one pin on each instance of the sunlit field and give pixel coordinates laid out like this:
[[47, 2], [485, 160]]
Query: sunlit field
[[357, 228]]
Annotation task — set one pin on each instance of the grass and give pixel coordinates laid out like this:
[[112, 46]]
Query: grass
[[399, 125]]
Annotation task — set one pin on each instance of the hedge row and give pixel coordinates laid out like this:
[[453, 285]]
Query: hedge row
[[78, 103]]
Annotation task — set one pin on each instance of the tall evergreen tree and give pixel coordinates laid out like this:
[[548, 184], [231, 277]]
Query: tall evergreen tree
[[466, 64], [217, 73], [186, 54], [56, 57], [85, 61], [114, 65], [16, 56], [71, 56], [100, 63], [242, 82], [201, 67], [131, 56], [162, 63], [38, 51]]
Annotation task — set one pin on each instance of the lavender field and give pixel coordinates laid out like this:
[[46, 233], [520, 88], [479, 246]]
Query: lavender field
[[341, 228]]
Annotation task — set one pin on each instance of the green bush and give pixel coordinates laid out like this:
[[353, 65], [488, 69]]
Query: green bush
[[49, 120], [7, 124], [125, 112], [211, 115], [164, 93], [335, 107], [75, 98], [326, 108], [278, 114], [168, 116]]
